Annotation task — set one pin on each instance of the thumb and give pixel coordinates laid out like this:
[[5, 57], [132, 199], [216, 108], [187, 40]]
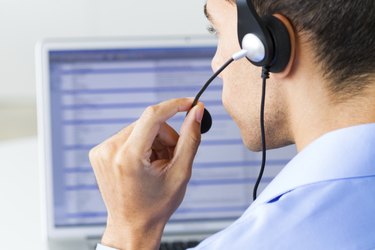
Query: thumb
[[190, 136]]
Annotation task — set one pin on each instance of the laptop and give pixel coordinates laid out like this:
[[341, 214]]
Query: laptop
[[89, 89]]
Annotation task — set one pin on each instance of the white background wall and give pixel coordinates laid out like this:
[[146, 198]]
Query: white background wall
[[24, 22]]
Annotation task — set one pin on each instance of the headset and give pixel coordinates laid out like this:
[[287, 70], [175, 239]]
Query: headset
[[265, 42], [266, 39]]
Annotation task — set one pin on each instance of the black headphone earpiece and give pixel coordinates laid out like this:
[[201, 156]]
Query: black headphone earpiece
[[266, 40], [282, 44]]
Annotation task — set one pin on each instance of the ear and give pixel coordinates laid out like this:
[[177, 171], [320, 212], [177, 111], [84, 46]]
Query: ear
[[292, 35]]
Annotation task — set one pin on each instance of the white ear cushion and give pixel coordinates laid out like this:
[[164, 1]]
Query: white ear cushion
[[254, 46]]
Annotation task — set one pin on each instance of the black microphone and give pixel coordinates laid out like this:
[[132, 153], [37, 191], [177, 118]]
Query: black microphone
[[206, 122], [207, 118]]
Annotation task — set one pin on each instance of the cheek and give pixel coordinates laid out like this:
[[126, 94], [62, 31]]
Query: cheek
[[226, 97], [233, 92], [241, 91]]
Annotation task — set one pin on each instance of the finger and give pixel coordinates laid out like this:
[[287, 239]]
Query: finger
[[149, 124], [167, 136], [120, 137], [164, 143], [190, 136]]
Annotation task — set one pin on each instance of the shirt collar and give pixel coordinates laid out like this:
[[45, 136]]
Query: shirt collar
[[344, 153]]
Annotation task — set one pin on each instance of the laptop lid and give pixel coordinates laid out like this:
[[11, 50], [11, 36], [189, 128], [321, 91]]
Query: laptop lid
[[90, 89]]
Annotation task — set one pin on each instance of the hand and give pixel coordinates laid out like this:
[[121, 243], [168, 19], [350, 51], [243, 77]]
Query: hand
[[142, 173]]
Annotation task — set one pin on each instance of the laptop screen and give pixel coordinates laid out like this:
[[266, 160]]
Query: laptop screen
[[94, 93]]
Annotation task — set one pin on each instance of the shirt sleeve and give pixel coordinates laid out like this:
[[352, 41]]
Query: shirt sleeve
[[101, 247]]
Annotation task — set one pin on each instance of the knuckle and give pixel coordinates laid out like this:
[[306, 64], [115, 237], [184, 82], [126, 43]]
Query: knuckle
[[131, 153], [108, 149], [103, 152], [126, 159], [93, 153], [151, 110], [118, 161]]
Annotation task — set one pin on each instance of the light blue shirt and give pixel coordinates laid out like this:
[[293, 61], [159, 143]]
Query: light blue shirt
[[323, 199]]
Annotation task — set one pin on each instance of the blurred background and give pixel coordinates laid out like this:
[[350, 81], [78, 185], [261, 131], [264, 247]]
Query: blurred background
[[22, 24]]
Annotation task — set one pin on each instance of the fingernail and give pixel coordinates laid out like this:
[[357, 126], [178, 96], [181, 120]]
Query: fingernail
[[199, 113]]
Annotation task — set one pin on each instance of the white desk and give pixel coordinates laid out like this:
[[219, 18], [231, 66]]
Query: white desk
[[20, 218]]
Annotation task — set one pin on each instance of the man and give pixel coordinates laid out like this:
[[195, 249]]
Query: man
[[323, 101]]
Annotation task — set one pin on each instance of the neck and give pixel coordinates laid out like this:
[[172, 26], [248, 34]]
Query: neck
[[314, 113]]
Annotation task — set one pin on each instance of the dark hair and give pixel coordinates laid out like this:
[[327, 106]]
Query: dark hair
[[342, 33]]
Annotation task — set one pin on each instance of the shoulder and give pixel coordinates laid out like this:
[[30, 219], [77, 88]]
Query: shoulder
[[328, 214], [335, 214]]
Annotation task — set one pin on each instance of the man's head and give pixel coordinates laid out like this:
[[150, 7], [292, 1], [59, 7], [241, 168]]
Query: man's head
[[342, 33], [333, 59]]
